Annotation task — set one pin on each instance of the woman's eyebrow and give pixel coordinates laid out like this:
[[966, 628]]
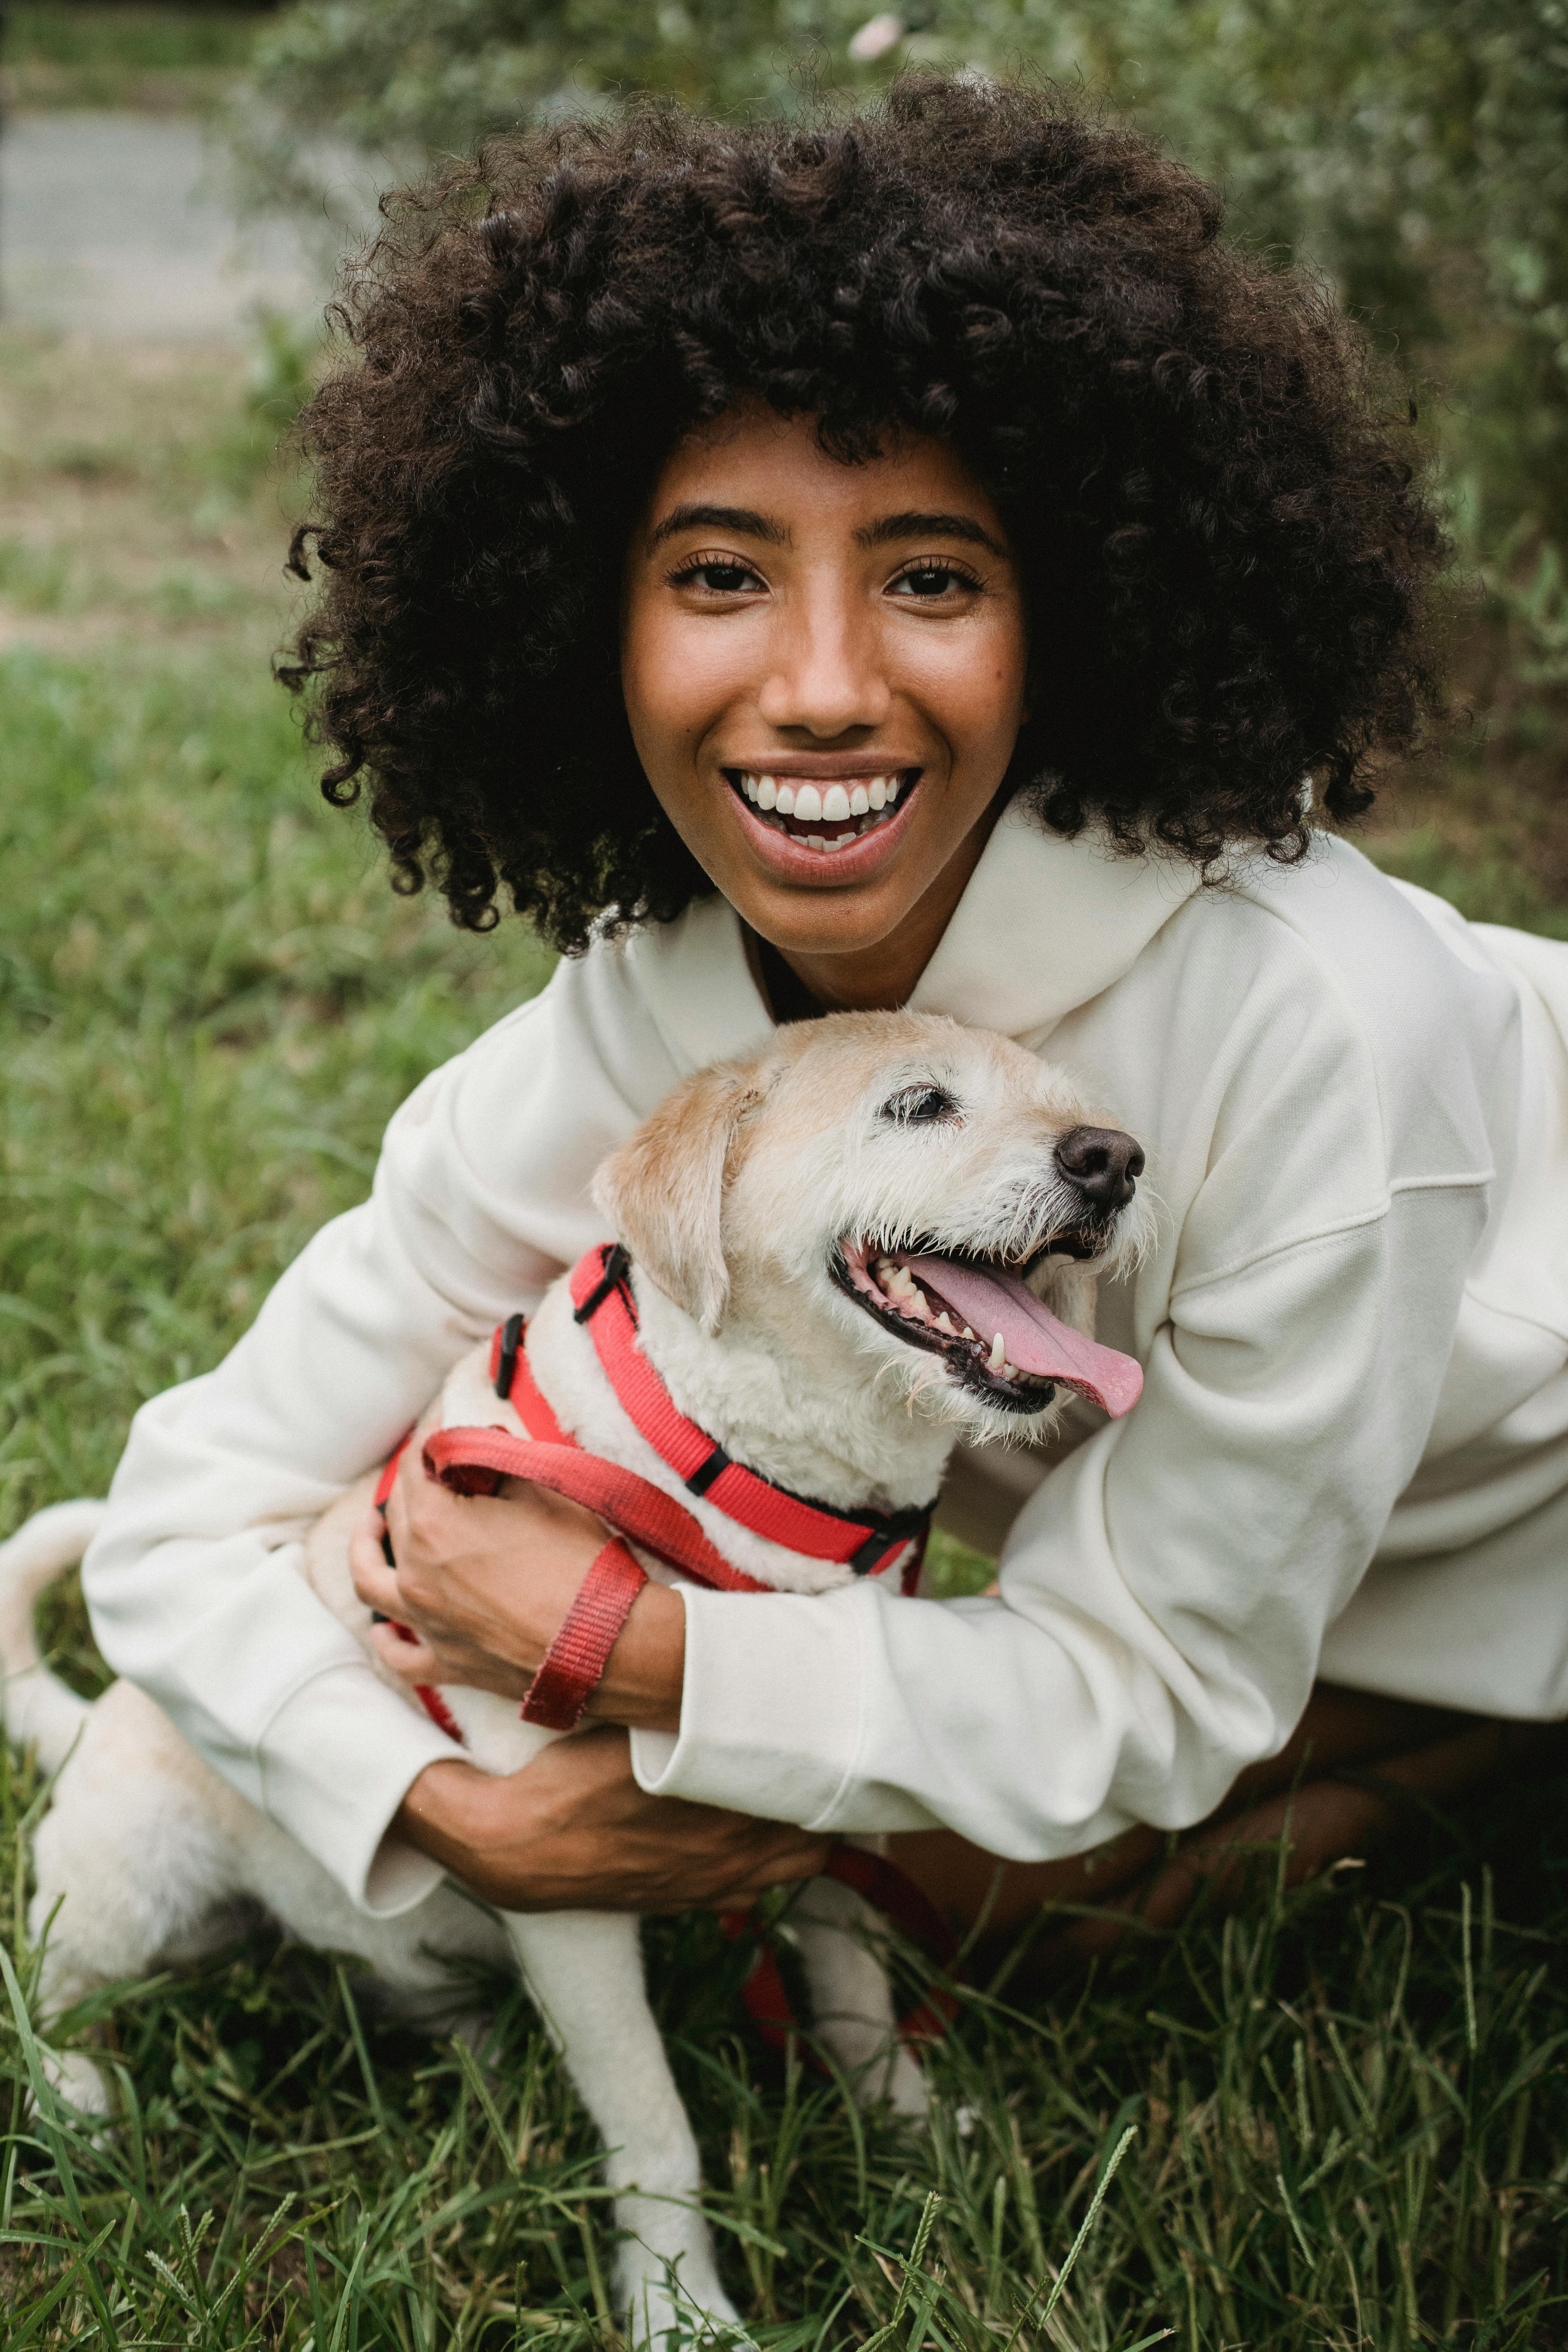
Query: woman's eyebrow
[[744, 521], [918, 524]]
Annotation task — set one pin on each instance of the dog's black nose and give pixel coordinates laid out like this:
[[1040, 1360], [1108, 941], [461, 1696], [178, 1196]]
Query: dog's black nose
[[1103, 1163]]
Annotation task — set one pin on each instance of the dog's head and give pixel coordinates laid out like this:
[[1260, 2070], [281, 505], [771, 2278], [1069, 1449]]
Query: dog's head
[[933, 1197]]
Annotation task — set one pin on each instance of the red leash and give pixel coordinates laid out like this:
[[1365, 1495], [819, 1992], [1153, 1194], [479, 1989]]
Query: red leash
[[474, 1462]]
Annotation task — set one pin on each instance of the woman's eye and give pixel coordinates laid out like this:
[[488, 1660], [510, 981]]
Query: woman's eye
[[718, 576], [928, 581]]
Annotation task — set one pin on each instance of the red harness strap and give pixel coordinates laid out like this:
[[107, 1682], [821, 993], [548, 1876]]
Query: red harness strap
[[474, 1462], [867, 1541]]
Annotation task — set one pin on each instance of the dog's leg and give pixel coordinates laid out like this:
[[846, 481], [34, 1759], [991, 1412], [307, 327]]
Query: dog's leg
[[585, 1970], [133, 1873], [842, 1942]]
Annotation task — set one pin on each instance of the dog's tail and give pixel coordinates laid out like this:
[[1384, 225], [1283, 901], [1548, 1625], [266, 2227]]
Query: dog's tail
[[40, 1711]]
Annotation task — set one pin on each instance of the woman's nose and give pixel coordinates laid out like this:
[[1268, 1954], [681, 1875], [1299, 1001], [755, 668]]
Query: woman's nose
[[826, 677]]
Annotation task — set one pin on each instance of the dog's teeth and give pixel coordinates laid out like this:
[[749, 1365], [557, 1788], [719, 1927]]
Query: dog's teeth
[[967, 1332], [945, 1323], [809, 804], [858, 801], [1009, 1372], [836, 804], [786, 801], [998, 1356], [767, 793]]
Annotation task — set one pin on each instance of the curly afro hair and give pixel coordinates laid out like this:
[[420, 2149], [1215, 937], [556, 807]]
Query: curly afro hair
[[1224, 549]]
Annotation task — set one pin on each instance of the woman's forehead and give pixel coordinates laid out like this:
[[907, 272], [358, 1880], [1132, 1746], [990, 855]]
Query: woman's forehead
[[773, 471]]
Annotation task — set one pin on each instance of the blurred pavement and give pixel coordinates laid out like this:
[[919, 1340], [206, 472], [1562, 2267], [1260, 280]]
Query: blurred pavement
[[116, 226]]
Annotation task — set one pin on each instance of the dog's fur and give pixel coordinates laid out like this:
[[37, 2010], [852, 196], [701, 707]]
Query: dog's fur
[[734, 1200]]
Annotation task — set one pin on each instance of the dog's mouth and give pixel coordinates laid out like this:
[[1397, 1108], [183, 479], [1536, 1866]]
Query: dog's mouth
[[825, 814], [977, 1313]]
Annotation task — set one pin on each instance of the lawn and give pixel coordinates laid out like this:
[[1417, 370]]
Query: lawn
[[1341, 2116]]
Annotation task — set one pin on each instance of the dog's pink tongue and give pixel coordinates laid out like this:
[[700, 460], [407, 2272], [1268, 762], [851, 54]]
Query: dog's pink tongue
[[1037, 1340]]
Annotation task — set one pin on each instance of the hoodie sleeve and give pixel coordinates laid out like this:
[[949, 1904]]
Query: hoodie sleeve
[[1166, 1589], [193, 1584]]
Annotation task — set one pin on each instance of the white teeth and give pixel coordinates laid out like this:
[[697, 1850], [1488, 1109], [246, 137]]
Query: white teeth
[[809, 804], [843, 837], [859, 801], [892, 789], [767, 793], [998, 1356], [815, 841], [876, 793], [836, 804], [786, 801], [750, 784]]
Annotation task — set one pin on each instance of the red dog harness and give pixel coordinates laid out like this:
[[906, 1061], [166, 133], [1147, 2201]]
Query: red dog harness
[[474, 1461]]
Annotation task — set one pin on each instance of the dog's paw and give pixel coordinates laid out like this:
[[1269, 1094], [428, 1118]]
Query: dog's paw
[[78, 2083], [907, 2090], [668, 2311]]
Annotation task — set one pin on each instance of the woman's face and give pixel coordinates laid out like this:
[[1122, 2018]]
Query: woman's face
[[824, 667]]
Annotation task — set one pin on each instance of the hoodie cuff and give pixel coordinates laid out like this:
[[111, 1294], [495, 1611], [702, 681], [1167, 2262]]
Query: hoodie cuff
[[770, 1713], [339, 1757]]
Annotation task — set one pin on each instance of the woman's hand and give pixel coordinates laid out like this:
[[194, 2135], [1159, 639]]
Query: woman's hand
[[573, 1832], [484, 1583]]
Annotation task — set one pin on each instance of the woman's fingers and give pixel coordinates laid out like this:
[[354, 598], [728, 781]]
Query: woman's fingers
[[410, 1661], [375, 1581]]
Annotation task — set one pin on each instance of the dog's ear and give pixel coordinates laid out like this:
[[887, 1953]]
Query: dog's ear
[[663, 1191]]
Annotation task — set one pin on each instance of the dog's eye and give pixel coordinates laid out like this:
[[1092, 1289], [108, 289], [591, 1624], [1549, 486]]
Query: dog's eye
[[918, 1106]]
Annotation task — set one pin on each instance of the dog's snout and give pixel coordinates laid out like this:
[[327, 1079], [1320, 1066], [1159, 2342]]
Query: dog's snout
[[1103, 1163]]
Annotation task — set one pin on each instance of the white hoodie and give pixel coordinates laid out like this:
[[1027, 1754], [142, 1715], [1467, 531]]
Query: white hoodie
[[1350, 1458]]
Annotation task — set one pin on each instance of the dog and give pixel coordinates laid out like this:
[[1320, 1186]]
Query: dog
[[880, 1235]]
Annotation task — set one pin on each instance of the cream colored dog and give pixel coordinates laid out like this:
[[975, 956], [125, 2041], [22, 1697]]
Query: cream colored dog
[[829, 1247]]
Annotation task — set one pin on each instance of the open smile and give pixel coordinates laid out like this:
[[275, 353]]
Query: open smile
[[973, 1310], [827, 815]]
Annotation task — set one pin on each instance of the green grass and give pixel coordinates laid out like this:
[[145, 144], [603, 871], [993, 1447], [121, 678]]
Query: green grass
[[67, 54], [1348, 2112]]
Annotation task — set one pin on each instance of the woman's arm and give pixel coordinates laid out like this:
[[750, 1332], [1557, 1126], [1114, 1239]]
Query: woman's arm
[[1166, 1593], [1163, 1594], [193, 1584]]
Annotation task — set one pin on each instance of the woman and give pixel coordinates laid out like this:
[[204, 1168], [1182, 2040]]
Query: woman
[[908, 563]]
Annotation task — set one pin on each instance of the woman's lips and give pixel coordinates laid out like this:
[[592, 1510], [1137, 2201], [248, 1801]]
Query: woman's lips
[[829, 817]]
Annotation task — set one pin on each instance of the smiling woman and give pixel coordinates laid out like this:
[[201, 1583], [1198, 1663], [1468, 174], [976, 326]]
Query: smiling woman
[[1170, 457], [803, 577], [825, 668]]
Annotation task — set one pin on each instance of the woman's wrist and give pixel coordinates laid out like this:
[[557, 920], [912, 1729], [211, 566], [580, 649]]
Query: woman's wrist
[[446, 1813], [644, 1673]]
